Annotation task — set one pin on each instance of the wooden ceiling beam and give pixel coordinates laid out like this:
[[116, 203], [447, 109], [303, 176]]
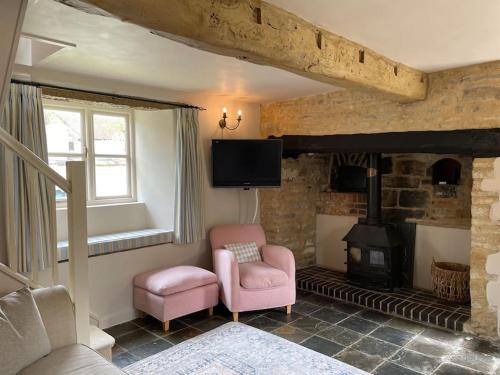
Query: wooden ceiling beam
[[258, 32]]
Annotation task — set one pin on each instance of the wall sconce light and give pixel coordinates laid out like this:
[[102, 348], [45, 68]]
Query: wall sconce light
[[223, 122]]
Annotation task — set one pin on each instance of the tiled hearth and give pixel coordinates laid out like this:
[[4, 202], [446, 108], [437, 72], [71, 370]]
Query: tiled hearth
[[413, 304]]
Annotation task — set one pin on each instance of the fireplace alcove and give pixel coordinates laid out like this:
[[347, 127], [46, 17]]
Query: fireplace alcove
[[475, 143]]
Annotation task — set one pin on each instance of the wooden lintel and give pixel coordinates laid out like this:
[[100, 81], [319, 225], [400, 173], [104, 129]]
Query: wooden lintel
[[256, 31], [473, 142]]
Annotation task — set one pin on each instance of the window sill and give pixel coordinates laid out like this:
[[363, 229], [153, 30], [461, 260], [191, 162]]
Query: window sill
[[119, 242], [104, 204]]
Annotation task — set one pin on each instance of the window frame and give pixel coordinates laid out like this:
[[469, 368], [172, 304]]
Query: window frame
[[87, 112]]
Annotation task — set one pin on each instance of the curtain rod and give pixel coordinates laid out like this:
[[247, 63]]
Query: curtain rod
[[42, 85]]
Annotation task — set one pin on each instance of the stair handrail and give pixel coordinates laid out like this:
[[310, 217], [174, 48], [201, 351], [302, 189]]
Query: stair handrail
[[19, 277], [31, 158]]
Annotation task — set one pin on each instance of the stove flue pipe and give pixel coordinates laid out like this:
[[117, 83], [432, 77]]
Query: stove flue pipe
[[374, 189]]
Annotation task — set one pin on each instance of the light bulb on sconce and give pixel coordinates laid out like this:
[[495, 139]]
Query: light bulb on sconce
[[223, 122]]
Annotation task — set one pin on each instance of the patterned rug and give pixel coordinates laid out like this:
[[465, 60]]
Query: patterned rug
[[238, 349]]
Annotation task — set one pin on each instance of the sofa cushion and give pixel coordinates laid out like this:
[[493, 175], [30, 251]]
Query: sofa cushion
[[245, 252], [23, 338], [260, 275], [72, 359], [172, 280]]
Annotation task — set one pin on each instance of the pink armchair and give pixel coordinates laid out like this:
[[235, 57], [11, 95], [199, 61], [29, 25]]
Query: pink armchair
[[254, 285]]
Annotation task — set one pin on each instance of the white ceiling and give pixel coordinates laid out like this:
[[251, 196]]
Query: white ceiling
[[114, 50], [428, 34]]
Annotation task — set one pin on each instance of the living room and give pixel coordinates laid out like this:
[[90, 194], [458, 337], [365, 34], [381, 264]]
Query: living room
[[250, 187]]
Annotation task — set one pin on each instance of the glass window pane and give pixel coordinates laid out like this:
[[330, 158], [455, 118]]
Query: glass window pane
[[110, 134], [64, 130], [111, 177], [59, 165]]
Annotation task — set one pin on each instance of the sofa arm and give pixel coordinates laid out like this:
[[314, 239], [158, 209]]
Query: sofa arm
[[58, 316], [228, 273], [280, 257]]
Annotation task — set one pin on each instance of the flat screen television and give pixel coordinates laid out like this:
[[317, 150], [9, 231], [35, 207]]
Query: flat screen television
[[246, 162]]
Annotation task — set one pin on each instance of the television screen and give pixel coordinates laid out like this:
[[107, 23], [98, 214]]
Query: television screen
[[246, 163]]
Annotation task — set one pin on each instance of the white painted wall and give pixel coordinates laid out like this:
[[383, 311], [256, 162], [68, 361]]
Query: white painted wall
[[155, 165], [444, 244], [107, 219]]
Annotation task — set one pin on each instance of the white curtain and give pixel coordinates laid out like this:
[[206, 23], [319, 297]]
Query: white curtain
[[28, 198], [189, 217]]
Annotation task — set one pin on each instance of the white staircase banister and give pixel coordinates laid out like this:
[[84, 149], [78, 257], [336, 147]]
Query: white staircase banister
[[18, 277], [28, 156]]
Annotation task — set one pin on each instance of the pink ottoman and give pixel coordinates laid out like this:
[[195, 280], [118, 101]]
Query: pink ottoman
[[169, 293]]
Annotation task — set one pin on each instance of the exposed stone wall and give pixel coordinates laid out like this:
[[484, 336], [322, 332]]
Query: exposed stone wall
[[288, 214], [408, 193], [465, 98], [485, 238]]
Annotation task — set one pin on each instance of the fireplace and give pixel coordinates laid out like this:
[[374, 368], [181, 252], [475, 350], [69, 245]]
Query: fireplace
[[374, 249]]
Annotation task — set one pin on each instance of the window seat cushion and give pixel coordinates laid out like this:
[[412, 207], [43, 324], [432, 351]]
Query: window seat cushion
[[116, 242]]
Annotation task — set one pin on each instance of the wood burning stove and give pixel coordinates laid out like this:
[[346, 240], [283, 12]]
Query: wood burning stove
[[374, 249]]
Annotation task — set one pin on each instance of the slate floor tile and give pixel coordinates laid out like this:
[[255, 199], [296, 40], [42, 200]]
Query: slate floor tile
[[474, 360], [197, 317], [282, 316], [183, 335], [291, 333], [359, 360], [377, 347], [210, 323], [451, 369], [392, 335], [374, 316], [121, 329], [345, 307], [264, 323], [124, 359], [443, 336], [318, 300], [430, 347], [329, 315], [405, 325], [416, 361], [147, 350], [311, 325], [322, 346], [305, 308], [389, 368], [482, 346], [135, 339], [359, 325], [340, 335], [156, 327]]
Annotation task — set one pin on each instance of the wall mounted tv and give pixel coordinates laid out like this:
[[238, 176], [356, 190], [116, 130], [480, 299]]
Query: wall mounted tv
[[246, 162]]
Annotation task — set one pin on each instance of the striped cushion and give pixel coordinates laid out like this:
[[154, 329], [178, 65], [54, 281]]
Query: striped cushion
[[111, 243], [245, 252]]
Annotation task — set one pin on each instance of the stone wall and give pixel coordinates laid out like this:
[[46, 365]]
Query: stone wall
[[465, 98], [485, 238], [288, 214], [408, 193]]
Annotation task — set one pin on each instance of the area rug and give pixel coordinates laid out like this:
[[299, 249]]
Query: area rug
[[238, 349]]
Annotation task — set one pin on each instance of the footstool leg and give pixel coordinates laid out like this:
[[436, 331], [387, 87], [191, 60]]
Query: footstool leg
[[210, 311], [235, 316], [166, 326], [288, 309]]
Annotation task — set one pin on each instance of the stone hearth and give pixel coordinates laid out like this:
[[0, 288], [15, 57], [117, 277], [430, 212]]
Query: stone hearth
[[413, 304]]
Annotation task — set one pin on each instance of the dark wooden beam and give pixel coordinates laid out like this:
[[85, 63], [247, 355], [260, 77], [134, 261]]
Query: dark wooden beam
[[474, 142]]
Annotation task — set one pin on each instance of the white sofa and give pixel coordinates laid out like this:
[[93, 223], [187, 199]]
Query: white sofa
[[66, 356]]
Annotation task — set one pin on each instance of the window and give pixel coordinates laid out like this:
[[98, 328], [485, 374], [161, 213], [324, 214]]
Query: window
[[101, 138]]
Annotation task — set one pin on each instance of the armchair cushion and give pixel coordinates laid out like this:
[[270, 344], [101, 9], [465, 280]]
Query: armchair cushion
[[245, 252], [259, 275]]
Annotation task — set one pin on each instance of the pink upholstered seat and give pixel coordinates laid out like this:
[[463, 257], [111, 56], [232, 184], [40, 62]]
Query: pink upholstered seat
[[170, 293], [260, 275], [173, 280], [255, 285]]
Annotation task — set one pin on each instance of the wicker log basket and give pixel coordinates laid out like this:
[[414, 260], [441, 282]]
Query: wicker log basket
[[451, 281]]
